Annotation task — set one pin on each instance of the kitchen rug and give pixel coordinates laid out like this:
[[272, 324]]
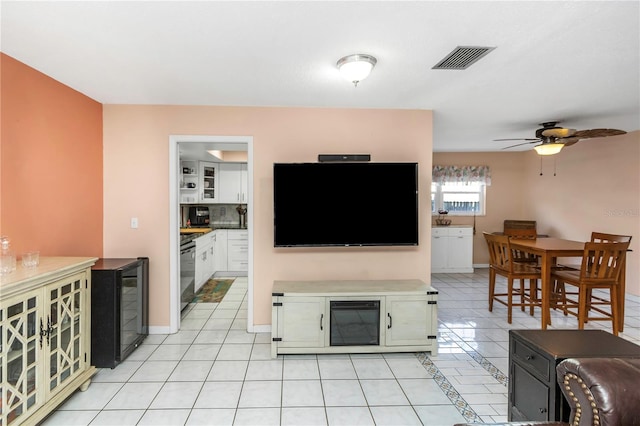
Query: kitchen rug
[[212, 291]]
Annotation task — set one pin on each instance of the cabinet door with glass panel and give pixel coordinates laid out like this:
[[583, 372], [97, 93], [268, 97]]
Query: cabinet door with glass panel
[[66, 331], [21, 344], [45, 345], [208, 182]]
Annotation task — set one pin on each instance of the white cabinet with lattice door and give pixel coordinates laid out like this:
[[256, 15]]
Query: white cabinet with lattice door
[[45, 326]]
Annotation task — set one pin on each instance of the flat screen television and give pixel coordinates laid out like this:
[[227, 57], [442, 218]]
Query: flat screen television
[[345, 204]]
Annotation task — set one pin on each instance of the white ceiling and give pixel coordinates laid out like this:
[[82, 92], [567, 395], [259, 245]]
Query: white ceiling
[[575, 61]]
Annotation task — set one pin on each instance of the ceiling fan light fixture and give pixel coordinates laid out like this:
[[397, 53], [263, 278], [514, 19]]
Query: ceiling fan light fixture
[[357, 67], [559, 132], [548, 148]]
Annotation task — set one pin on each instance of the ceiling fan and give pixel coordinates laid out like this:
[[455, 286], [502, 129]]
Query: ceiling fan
[[551, 138]]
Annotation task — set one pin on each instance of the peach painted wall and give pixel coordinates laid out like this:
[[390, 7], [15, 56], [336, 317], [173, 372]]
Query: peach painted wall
[[596, 188], [51, 165], [136, 174], [504, 196]]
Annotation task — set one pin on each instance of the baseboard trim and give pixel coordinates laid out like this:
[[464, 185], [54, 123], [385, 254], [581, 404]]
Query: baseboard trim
[[481, 265], [266, 328], [154, 329], [263, 328]]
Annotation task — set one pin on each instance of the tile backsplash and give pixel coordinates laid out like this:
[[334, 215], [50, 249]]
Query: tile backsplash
[[219, 214]]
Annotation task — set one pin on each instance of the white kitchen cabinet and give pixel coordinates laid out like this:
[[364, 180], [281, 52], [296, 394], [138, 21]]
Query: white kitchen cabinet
[[205, 259], [452, 249], [189, 182], [232, 251], [237, 250], [233, 183], [220, 248], [45, 318], [211, 265], [303, 314], [209, 182], [201, 265]]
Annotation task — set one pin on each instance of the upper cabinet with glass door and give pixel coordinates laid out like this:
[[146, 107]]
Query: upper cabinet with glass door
[[208, 182]]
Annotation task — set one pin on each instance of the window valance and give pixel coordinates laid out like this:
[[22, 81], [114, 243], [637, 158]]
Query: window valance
[[461, 174]]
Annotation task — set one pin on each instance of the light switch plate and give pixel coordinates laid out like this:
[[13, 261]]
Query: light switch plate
[[134, 223]]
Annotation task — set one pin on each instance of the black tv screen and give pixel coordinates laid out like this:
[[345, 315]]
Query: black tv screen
[[345, 204]]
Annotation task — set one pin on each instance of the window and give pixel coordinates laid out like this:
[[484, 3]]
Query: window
[[459, 190], [458, 198]]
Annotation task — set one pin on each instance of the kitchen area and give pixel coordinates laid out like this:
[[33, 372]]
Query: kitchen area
[[213, 195]]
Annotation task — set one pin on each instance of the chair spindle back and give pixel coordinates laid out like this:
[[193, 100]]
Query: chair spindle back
[[603, 261]]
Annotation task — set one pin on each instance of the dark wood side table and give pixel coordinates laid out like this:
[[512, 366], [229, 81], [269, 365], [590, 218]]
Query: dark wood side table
[[534, 393]]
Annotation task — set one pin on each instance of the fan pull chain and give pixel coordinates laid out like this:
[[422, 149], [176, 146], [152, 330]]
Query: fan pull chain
[[554, 165], [540, 165]]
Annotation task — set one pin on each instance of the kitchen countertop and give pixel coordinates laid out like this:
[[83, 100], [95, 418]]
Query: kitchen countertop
[[207, 230], [195, 230]]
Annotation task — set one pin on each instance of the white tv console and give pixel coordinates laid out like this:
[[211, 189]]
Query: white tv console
[[303, 318]]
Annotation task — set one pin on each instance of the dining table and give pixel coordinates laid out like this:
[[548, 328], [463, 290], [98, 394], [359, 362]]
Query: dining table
[[549, 250]]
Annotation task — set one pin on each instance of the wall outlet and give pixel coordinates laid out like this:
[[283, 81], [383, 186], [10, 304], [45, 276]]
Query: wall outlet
[[134, 223]]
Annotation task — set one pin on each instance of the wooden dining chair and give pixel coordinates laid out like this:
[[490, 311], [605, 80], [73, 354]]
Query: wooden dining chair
[[601, 237], [519, 224], [560, 293], [522, 233], [601, 268], [501, 263]]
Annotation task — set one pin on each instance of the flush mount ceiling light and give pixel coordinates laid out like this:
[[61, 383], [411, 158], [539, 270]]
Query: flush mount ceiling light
[[357, 67], [548, 148]]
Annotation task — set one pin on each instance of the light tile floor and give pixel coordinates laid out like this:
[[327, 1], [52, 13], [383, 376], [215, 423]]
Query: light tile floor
[[215, 373]]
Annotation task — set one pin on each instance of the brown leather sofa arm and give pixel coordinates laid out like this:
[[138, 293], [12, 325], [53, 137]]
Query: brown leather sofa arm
[[601, 391]]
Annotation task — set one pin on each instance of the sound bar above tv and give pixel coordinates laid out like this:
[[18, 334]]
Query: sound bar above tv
[[325, 158]]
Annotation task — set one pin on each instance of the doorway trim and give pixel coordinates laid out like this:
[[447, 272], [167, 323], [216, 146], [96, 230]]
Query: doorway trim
[[174, 224]]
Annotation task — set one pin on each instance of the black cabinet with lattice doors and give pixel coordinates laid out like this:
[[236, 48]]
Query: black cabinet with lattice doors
[[45, 326]]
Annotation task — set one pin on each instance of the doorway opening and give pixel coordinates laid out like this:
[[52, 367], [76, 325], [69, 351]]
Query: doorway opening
[[195, 147]]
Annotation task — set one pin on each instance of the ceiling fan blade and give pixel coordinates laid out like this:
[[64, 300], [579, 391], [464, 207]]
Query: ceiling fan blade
[[568, 141], [524, 143], [559, 132], [518, 139], [598, 133]]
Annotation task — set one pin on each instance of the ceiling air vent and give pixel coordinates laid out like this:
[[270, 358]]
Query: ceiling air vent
[[462, 57]]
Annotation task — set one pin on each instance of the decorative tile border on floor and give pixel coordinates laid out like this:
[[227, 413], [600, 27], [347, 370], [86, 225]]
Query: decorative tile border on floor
[[461, 405], [484, 363], [488, 366]]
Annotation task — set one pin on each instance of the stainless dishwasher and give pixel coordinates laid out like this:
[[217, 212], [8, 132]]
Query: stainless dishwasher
[[187, 270]]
